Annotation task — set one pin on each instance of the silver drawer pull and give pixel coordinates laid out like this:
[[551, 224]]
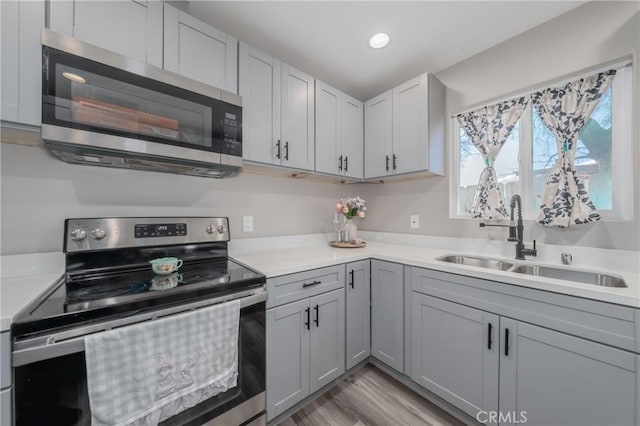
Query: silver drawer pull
[[311, 284]]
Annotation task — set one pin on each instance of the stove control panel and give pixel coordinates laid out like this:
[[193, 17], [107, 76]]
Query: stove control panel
[[146, 230], [110, 233]]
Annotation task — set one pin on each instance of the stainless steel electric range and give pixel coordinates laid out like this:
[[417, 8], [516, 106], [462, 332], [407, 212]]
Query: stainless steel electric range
[[109, 283]]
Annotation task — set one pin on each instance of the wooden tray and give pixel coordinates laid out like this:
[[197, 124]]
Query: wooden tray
[[347, 245]]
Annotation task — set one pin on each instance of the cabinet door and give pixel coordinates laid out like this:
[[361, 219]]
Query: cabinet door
[[387, 313], [352, 137], [287, 333], [553, 378], [297, 119], [455, 353], [378, 135], [260, 88], [329, 157], [21, 24], [6, 407], [327, 338], [130, 28], [410, 126], [199, 51], [358, 324]]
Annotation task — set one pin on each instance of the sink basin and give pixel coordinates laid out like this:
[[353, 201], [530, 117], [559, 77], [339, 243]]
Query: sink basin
[[586, 277], [481, 262]]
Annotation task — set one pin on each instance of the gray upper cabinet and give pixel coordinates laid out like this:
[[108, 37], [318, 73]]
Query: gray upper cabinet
[[353, 136], [21, 23], [387, 313], [455, 353], [199, 51], [288, 359], [554, 378], [339, 132], [297, 149], [130, 28], [278, 111], [405, 129], [378, 120], [358, 321], [260, 87], [328, 133], [327, 338]]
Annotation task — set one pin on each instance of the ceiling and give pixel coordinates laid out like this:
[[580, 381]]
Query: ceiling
[[330, 39]]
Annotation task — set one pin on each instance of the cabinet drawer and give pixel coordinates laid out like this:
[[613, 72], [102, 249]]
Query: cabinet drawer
[[5, 360], [289, 288], [602, 322]]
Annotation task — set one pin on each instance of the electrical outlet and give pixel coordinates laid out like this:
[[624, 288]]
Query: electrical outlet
[[247, 223], [414, 221]]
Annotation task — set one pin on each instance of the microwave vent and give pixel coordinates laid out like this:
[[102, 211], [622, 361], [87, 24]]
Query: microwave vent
[[74, 154]]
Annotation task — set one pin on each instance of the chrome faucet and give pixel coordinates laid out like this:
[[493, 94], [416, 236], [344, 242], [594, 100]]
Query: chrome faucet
[[516, 230]]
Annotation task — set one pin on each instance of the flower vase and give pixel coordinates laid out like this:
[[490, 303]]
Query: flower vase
[[349, 225]]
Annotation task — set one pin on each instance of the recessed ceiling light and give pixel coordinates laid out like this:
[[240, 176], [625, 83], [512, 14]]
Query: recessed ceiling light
[[379, 41], [74, 77]]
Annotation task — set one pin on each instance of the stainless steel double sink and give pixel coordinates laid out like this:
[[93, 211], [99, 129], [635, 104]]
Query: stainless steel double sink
[[579, 276]]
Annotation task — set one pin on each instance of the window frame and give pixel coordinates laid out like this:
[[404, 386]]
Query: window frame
[[622, 154]]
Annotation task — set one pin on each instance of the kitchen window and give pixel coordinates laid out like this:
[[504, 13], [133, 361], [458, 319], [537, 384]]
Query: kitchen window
[[604, 157]]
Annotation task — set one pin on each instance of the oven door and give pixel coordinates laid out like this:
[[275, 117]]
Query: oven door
[[51, 383]]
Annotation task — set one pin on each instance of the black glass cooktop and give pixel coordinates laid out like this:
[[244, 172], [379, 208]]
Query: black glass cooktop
[[99, 295]]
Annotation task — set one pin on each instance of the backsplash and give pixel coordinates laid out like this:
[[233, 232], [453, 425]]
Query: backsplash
[[39, 192]]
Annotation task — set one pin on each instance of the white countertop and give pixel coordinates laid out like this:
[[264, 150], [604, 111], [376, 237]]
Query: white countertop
[[18, 292], [288, 260], [25, 277]]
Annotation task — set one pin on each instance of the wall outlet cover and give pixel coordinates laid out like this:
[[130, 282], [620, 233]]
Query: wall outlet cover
[[414, 221], [247, 223]]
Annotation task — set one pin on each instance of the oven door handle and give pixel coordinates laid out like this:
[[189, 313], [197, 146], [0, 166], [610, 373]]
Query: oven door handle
[[61, 344]]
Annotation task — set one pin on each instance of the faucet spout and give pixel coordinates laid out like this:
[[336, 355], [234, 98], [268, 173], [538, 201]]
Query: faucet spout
[[518, 238]]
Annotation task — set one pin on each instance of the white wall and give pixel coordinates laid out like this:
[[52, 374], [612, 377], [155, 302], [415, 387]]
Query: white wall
[[589, 35], [40, 191]]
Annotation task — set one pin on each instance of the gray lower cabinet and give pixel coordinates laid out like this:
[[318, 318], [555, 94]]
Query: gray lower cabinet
[[455, 353], [358, 318], [327, 338], [305, 348], [5, 407], [387, 313], [287, 356], [553, 378], [5, 360], [489, 364]]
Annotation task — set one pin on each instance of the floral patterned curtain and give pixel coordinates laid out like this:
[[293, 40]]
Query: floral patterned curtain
[[564, 111], [489, 127]]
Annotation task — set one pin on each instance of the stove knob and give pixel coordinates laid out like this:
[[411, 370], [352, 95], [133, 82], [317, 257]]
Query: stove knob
[[99, 233], [220, 229], [210, 229], [78, 234]]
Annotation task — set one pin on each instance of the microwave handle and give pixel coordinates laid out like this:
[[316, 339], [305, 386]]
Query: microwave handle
[[61, 346]]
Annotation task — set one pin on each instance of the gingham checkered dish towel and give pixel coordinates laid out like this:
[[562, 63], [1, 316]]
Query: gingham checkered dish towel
[[147, 372]]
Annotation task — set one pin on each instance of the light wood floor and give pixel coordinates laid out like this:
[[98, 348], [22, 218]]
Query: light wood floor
[[370, 397]]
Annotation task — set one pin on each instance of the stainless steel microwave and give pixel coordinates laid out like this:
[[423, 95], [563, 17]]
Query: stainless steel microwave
[[103, 109]]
